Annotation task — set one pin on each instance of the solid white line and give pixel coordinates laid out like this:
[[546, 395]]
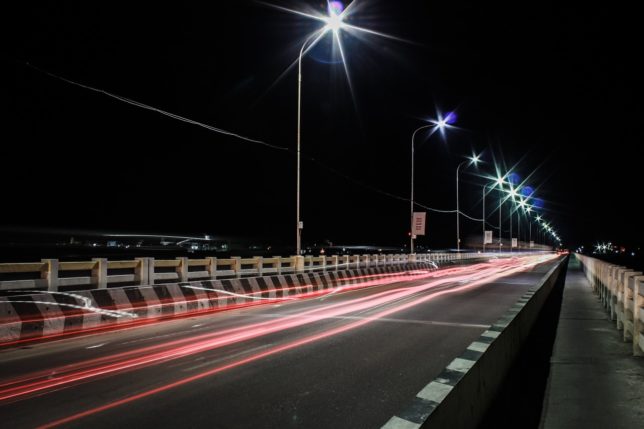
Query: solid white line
[[96, 346]]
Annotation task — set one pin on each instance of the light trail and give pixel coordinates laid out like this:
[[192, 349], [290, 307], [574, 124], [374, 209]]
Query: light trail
[[511, 268], [399, 298], [362, 282]]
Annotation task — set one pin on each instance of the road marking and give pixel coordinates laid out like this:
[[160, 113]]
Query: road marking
[[398, 423], [435, 391], [490, 334], [386, 319], [197, 325], [478, 347], [222, 358], [461, 365], [96, 346]]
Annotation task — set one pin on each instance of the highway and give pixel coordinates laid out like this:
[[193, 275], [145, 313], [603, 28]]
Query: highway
[[350, 358]]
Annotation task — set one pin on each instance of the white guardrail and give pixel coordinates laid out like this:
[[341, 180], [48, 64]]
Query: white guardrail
[[52, 274], [621, 291]]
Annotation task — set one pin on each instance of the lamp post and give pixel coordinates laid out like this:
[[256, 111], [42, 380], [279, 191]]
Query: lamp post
[[483, 216], [299, 226], [498, 181], [411, 209], [439, 124], [470, 160], [334, 24], [519, 230]]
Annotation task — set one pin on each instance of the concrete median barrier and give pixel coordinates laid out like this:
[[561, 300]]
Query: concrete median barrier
[[460, 395]]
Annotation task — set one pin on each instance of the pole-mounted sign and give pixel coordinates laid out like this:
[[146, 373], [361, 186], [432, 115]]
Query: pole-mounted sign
[[419, 224]]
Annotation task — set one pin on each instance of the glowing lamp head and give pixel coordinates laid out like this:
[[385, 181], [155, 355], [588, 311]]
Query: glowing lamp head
[[441, 124], [475, 159], [334, 23], [334, 20]]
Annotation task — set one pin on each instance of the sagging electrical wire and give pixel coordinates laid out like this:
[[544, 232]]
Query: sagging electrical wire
[[234, 135]]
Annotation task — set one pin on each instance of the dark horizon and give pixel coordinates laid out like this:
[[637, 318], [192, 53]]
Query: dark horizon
[[550, 88]]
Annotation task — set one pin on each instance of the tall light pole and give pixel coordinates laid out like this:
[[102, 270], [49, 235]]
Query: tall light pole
[[299, 226], [500, 223], [470, 160], [334, 23], [513, 194], [483, 215], [439, 124], [528, 211], [411, 208], [499, 181]]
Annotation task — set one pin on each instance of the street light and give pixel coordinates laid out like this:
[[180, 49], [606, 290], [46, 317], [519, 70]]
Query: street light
[[470, 160], [334, 23], [437, 125], [499, 181]]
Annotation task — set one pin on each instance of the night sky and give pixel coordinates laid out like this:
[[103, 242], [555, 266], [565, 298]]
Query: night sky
[[554, 89]]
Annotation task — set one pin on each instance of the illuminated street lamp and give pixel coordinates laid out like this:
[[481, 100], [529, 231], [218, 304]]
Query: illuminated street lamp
[[474, 159], [439, 124], [498, 181], [334, 23]]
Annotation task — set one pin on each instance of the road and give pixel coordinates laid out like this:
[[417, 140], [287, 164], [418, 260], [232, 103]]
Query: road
[[348, 359]]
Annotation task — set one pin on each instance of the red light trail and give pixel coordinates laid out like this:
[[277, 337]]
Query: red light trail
[[435, 284]]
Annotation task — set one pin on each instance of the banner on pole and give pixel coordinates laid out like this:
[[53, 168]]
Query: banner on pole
[[514, 242], [488, 237], [531, 244], [419, 224]]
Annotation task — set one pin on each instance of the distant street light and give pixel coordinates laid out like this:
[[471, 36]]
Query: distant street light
[[499, 181], [470, 160], [436, 125]]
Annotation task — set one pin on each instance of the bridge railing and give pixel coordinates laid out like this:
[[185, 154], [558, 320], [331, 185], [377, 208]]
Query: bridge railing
[[621, 291], [100, 273]]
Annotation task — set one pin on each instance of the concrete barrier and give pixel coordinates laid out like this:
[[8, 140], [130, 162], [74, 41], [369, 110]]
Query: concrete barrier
[[461, 394], [621, 291], [55, 313], [52, 274]]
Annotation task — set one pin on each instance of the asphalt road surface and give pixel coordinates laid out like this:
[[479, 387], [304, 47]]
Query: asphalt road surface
[[349, 359]]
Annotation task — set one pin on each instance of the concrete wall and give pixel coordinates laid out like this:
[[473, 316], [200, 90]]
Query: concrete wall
[[621, 291], [460, 396], [55, 313]]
